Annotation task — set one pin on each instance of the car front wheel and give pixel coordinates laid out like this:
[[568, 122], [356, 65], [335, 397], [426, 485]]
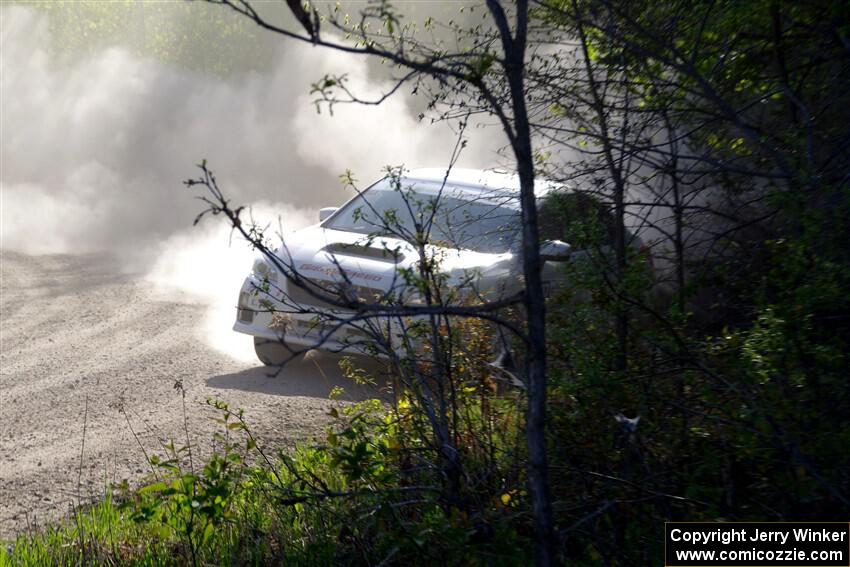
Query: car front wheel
[[273, 352]]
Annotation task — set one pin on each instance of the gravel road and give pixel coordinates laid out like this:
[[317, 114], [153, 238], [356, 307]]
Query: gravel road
[[79, 341]]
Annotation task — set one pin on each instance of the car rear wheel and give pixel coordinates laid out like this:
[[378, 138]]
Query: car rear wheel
[[273, 352]]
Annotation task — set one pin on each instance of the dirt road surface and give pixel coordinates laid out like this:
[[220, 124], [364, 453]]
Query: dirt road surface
[[85, 349]]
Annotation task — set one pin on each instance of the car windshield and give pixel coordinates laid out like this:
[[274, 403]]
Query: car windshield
[[478, 219]]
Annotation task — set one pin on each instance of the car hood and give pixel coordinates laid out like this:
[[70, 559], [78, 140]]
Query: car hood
[[320, 253]]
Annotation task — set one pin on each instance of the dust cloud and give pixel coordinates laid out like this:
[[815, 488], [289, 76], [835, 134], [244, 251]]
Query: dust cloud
[[93, 150], [193, 265]]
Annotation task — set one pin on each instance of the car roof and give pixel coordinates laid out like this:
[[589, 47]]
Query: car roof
[[477, 179]]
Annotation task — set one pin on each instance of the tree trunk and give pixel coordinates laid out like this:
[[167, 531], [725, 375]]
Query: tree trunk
[[535, 301]]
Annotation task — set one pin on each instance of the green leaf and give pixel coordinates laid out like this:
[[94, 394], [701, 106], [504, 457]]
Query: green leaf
[[155, 487]]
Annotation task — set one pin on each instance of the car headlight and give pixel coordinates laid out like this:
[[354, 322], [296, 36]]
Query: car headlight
[[261, 268], [414, 298], [264, 270]]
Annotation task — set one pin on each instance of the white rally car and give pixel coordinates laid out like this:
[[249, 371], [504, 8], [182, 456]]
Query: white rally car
[[357, 251]]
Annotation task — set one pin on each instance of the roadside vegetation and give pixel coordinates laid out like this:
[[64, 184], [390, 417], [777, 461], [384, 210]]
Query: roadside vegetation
[[700, 377]]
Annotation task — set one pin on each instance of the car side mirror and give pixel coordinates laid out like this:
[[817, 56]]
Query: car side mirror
[[555, 251], [325, 212]]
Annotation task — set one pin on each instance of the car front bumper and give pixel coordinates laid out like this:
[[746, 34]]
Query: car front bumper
[[262, 314]]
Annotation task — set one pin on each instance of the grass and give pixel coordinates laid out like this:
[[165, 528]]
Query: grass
[[110, 532], [96, 534], [224, 511], [349, 500]]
